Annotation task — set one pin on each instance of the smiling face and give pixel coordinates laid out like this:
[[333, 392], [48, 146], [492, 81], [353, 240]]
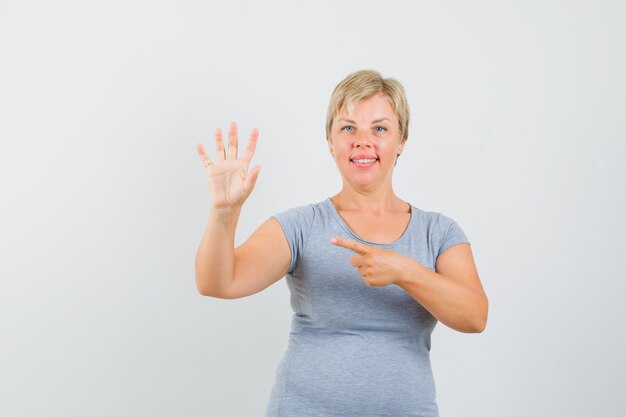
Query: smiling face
[[365, 141]]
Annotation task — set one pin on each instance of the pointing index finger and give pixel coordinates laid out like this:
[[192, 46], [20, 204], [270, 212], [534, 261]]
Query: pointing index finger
[[353, 245]]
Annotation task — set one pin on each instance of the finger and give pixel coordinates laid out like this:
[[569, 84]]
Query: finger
[[250, 179], [232, 141], [351, 244], [205, 159], [219, 145], [356, 261], [251, 147]]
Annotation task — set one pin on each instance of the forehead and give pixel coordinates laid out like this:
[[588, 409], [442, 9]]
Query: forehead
[[374, 107]]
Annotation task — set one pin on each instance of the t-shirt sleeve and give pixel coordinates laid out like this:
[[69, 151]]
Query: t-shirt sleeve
[[451, 234], [296, 223]]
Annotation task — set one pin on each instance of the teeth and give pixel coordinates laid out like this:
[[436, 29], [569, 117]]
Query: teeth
[[364, 161]]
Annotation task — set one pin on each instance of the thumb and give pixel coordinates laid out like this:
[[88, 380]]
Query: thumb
[[253, 175]]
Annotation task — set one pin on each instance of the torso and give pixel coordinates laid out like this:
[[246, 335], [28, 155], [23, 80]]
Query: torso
[[349, 339]]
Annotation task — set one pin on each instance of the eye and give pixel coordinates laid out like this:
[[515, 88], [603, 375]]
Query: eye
[[347, 128], [380, 129]]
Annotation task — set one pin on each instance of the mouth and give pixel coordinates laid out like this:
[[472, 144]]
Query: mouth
[[363, 162]]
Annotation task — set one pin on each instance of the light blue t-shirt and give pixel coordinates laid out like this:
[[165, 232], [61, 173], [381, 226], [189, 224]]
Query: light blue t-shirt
[[355, 350]]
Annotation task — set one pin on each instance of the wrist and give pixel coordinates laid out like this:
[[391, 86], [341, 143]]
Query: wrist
[[410, 273], [225, 214]]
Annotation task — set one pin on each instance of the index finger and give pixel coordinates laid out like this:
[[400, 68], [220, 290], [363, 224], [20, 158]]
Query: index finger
[[353, 245], [251, 146]]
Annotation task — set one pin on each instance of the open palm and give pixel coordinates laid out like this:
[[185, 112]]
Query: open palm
[[229, 180]]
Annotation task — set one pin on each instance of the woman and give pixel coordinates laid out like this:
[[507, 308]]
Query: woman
[[369, 274]]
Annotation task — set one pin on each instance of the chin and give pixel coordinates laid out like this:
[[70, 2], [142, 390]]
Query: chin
[[360, 182]]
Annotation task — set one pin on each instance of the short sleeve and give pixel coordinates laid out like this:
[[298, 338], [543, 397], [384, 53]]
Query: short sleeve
[[451, 234], [296, 223]]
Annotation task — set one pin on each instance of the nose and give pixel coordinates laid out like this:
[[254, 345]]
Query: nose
[[362, 140]]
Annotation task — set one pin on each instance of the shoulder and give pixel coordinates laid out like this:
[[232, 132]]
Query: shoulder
[[297, 224], [443, 231], [432, 218], [302, 214]]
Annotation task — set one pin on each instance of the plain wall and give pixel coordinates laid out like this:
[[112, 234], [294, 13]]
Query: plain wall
[[518, 133]]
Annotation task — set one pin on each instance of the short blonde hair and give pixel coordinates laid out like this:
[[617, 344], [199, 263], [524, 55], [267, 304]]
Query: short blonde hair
[[362, 85]]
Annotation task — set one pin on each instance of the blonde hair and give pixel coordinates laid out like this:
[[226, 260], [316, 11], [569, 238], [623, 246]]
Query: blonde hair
[[362, 85]]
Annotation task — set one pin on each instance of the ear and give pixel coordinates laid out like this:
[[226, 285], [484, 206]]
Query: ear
[[400, 148], [331, 149]]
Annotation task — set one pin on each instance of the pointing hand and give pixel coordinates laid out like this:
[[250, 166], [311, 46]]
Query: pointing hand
[[377, 266]]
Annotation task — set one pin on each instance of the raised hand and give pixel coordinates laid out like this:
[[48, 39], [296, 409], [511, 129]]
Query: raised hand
[[229, 180]]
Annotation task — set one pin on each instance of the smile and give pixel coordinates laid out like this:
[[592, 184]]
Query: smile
[[364, 161]]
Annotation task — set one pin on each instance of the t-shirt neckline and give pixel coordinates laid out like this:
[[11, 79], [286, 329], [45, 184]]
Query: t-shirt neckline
[[347, 229]]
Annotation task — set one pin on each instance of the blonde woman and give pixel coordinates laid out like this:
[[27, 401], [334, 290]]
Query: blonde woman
[[370, 275]]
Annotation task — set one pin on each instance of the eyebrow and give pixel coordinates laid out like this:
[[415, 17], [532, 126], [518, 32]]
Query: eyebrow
[[342, 119]]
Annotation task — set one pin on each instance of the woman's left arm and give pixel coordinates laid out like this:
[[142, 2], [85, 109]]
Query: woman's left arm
[[453, 294]]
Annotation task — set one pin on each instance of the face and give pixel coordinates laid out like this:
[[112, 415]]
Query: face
[[365, 142]]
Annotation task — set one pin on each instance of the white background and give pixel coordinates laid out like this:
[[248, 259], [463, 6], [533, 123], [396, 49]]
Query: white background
[[518, 133]]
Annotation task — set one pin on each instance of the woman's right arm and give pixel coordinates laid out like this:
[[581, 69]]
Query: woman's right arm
[[221, 270]]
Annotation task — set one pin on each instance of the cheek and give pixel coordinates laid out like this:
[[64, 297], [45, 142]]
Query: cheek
[[340, 149], [383, 150]]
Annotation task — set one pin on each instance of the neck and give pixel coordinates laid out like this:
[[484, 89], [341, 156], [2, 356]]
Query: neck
[[377, 201]]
